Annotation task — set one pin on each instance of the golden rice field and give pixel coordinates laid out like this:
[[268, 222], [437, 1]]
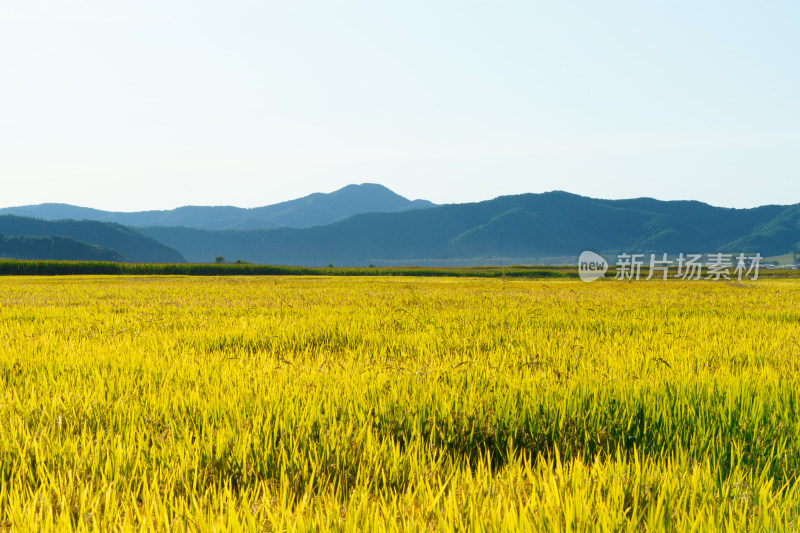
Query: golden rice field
[[308, 403]]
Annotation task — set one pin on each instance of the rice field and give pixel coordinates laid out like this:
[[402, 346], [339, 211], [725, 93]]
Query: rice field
[[395, 403]]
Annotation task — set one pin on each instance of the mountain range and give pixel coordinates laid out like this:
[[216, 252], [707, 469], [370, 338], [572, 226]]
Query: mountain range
[[551, 227], [525, 228], [313, 210]]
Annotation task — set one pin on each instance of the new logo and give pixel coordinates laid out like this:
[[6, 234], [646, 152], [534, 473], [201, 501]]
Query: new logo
[[591, 266]]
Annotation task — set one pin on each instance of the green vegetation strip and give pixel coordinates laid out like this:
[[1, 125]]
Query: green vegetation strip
[[67, 268]]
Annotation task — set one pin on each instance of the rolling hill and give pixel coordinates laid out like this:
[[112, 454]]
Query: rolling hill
[[128, 243], [58, 248], [312, 210]]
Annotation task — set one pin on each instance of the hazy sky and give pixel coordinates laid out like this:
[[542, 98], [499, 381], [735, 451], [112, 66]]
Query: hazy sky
[[154, 104]]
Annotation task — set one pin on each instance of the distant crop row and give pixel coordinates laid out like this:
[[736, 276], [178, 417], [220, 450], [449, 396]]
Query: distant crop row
[[58, 268], [13, 267]]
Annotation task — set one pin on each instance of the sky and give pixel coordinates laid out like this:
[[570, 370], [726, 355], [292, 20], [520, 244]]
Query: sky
[[153, 104]]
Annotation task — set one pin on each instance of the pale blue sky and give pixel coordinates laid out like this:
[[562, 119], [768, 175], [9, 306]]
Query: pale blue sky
[[154, 104]]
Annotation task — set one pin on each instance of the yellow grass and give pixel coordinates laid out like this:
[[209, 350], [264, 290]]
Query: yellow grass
[[299, 403]]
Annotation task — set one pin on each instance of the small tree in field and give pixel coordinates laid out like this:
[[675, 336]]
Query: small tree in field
[[219, 260]]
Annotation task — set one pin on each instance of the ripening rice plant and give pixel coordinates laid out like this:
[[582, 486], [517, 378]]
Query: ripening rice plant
[[308, 403]]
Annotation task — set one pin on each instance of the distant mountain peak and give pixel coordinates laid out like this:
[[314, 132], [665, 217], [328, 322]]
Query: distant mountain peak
[[366, 185]]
